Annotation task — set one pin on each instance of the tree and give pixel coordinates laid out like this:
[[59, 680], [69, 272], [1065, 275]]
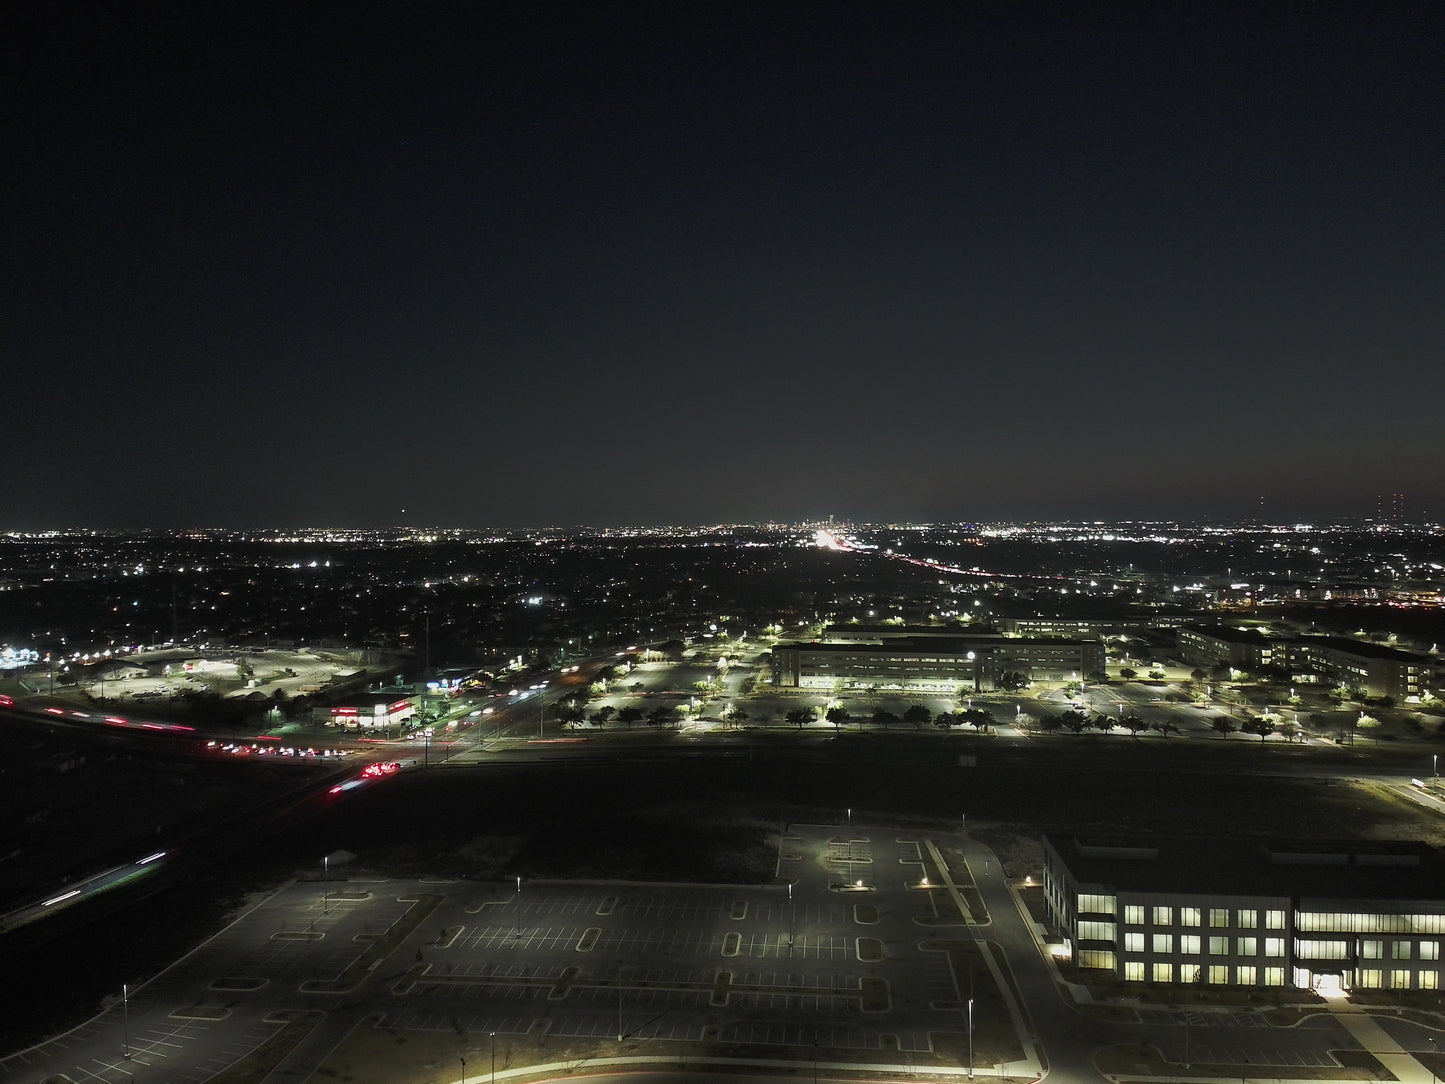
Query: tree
[[917, 714], [1051, 723], [1128, 673], [1263, 725], [1012, 680], [884, 718], [1133, 724], [1167, 727], [601, 716], [1288, 730], [1369, 724], [1197, 675], [736, 716], [1156, 674], [837, 715], [1073, 688], [1223, 724], [629, 715], [945, 719], [978, 718], [662, 715], [800, 717], [1098, 677], [1103, 723], [1075, 720]]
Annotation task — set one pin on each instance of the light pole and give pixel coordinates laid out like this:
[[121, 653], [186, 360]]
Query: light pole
[[125, 1019], [517, 910], [790, 914], [326, 884], [464, 1068], [970, 1032], [494, 1059]]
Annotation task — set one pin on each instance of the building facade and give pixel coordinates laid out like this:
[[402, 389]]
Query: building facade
[[932, 664], [1313, 915]]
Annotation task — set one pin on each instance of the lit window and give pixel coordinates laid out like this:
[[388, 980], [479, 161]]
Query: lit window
[[1163, 942], [1163, 916], [1134, 971], [1246, 946], [1163, 972], [1273, 946], [1218, 918], [1274, 920], [1189, 944], [1133, 914], [1245, 975], [1133, 942], [1218, 946], [1189, 916], [1248, 919]]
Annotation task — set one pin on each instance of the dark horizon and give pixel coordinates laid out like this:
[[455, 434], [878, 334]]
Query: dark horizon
[[516, 264]]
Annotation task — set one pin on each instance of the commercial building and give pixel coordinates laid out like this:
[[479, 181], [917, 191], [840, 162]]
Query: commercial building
[[1364, 668], [1311, 915], [373, 711], [1244, 649], [932, 663]]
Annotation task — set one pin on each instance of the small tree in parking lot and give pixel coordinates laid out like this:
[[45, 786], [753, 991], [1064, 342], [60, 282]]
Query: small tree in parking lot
[[1223, 725], [1263, 725], [800, 717], [918, 715]]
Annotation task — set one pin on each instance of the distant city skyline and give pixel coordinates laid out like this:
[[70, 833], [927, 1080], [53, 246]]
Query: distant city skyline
[[513, 265]]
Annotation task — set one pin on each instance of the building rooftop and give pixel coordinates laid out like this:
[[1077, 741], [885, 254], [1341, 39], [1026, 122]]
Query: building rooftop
[[1214, 865]]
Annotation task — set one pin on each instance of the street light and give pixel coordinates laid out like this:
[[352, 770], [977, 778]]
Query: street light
[[970, 1033], [517, 910], [790, 914], [464, 1068], [326, 884], [494, 1059], [125, 1019]]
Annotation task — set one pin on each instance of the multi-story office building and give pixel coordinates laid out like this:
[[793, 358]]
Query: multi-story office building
[[1243, 649], [1364, 668], [932, 664], [1312, 915]]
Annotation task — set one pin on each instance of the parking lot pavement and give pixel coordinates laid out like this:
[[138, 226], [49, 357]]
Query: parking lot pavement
[[833, 966]]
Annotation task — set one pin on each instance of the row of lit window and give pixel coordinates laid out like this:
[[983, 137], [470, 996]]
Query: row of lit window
[[1190, 944], [1328, 922], [1245, 918], [1368, 949]]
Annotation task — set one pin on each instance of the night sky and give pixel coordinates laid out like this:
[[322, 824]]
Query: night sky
[[510, 265]]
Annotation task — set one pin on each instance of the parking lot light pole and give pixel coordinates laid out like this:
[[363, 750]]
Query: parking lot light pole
[[517, 910], [790, 914], [494, 1059], [464, 1068], [125, 1019]]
